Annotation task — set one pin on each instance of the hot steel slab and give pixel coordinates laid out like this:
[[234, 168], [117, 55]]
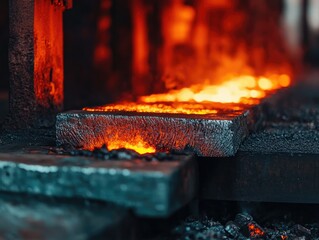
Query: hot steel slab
[[205, 135]]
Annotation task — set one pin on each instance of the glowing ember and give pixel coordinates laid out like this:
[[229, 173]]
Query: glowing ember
[[139, 147], [235, 90], [255, 230], [226, 98], [176, 108], [135, 143], [212, 58]]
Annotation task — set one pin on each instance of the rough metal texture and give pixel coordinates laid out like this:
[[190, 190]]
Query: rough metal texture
[[21, 141], [204, 135], [26, 217], [150, 189], [291, 121], [228, 227], [278, 177], [35, 62]]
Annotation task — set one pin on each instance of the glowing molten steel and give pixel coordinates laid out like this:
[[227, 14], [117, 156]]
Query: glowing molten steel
[[205, 99], [140, 146], [136, 144], [215, 58], [255, 230], [235, 90], [215, 101]]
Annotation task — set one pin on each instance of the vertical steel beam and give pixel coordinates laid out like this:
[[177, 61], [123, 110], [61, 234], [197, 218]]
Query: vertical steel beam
[[36, 61]]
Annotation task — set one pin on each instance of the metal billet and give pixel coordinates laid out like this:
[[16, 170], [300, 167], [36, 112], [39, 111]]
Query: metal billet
[[204, 135]]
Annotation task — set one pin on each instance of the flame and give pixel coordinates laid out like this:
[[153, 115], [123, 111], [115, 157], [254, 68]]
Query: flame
[[228, 97], [221, 100], [235, 90], [176, 108], [205, 57], [135, 143], [255, 231], [138, 146]]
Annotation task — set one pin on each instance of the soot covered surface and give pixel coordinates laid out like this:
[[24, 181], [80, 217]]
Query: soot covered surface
[[291, 122], [245, 220], [242, 227]]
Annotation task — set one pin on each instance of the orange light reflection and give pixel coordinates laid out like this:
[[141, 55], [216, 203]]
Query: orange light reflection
[[234, 90], [135, 143], [139, 146], [204, 99]]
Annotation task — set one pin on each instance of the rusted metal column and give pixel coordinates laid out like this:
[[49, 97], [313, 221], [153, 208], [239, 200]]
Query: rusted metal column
[[36, 61]]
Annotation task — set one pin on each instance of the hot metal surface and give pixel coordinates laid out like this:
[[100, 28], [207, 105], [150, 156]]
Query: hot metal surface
[[150, 189], [203, 134]]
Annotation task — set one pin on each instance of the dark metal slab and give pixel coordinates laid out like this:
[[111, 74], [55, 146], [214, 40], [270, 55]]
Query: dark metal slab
[[155, 189], [27, 217], [260, 177], [205, 135], [291, 121]]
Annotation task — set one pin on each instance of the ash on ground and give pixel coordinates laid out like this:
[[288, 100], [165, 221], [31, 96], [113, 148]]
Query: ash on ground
[[242, 227], [104, 153]]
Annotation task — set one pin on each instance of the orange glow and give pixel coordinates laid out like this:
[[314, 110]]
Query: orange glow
[[284, 80], [129, 141], [48, 55], [219, 101], [265, 83], [167, 108], [220, 41], [177, 20], [138, 146], [205, 57], [213, 58], [228, 97], [255, 231], [235, 90]]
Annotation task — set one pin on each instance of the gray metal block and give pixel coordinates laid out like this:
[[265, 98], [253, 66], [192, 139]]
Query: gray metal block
[[155, 189], [205, 135], [26, 217]]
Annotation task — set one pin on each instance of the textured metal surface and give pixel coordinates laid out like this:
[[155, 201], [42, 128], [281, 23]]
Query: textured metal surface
[[35, 63], [291, 121], [150, 189], [26, 217], [261, 177], [204, 135]]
